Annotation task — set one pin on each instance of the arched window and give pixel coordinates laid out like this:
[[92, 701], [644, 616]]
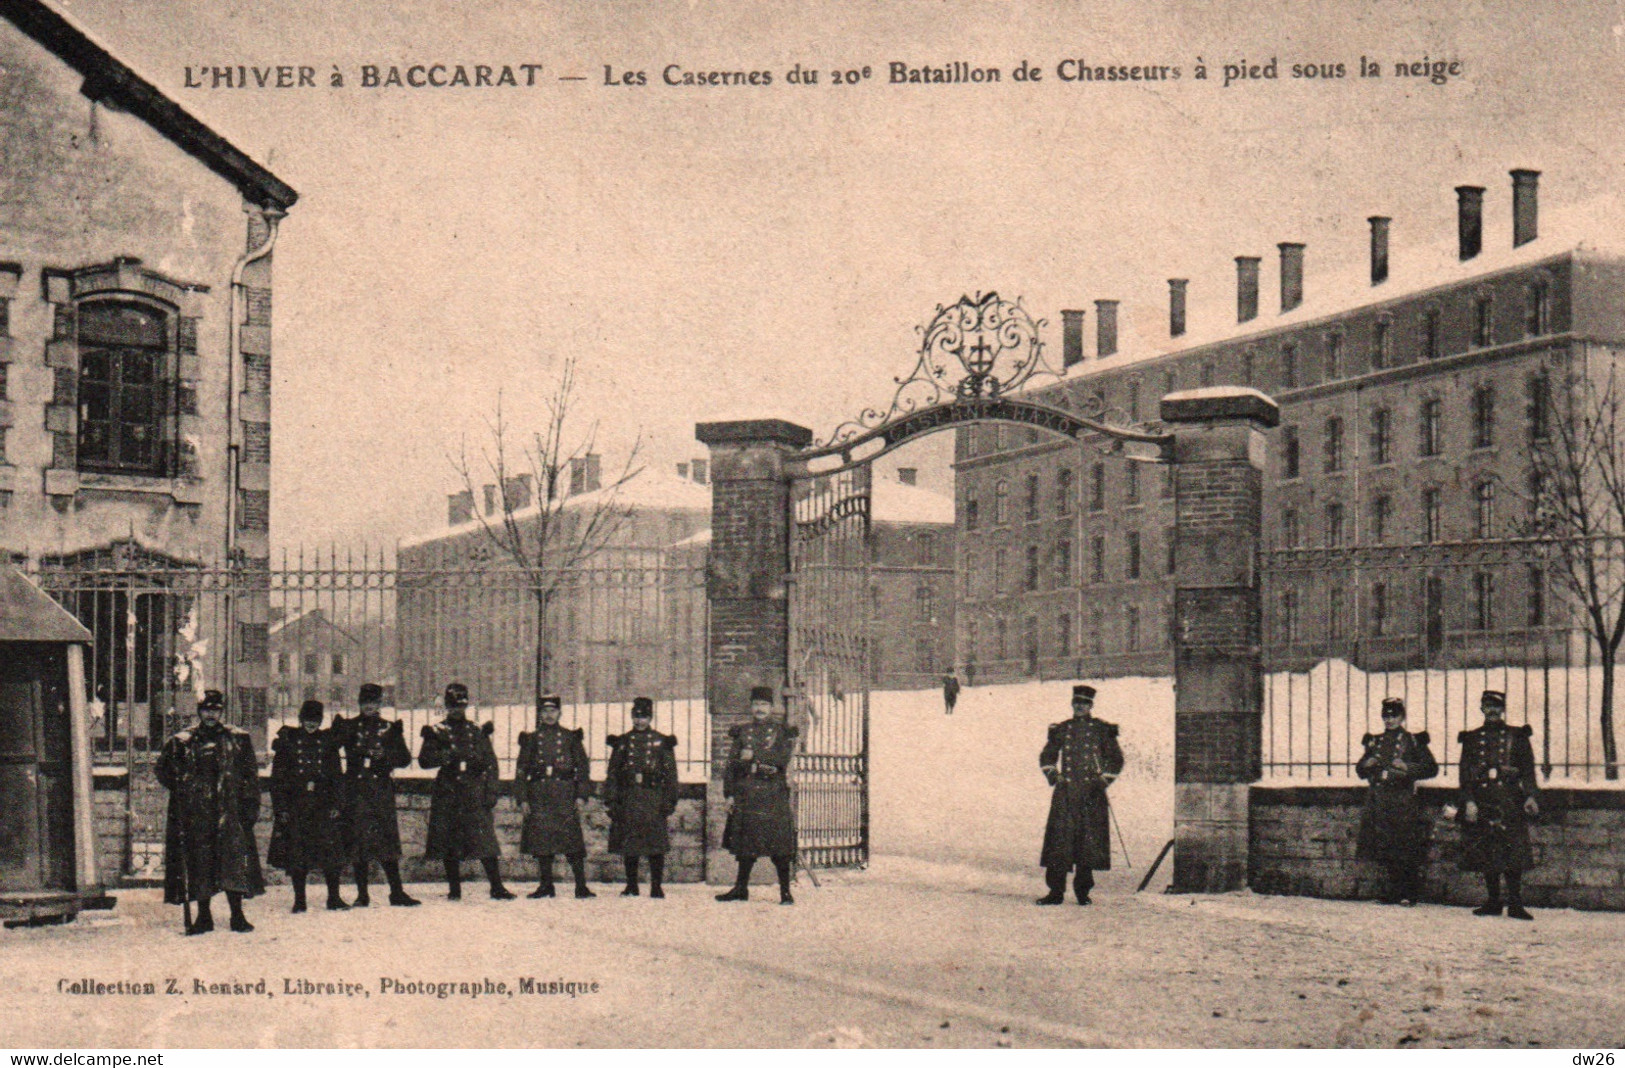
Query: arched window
[[123, 370]]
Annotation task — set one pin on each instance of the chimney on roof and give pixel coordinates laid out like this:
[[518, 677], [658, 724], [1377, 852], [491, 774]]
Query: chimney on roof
[[1291, 274], [1176, 305], [1470, 219], [516, 493], [459, 507], [584, 472], [490, 499], [908, 476], [1105, 328], [1525, 214], [1379, 248], [1071, 338], [1246, 288], [700, 470]]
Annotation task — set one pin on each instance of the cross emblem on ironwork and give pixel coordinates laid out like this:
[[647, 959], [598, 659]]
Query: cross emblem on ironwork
[[981, 349]]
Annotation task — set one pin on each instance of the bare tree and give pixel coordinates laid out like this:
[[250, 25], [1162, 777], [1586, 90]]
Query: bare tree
[[548, 533], [1576, 514]]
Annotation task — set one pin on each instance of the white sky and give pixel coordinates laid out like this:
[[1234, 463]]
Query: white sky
[[731, 252]]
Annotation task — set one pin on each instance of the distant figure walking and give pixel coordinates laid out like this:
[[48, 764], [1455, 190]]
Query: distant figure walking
[[950, 692]]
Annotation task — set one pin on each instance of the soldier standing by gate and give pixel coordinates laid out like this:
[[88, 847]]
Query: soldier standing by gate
[[307, 804], [1497, 802], [641, 788], [553, 780], [760, 822], [1392, 827], [373, 750], [1080, 760], [461, 824], [214, 799]]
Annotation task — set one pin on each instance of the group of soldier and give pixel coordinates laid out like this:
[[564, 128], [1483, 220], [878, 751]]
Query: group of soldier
[[333, 802]]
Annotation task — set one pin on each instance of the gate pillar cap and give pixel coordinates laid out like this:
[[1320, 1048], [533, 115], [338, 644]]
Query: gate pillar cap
[[1221, 404], [754, 431]]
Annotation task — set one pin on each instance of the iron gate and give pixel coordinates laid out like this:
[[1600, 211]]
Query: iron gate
[[829, 665]]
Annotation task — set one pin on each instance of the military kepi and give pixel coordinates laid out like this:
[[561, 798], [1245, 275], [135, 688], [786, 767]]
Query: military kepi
[[311, 709], [371, 694], [762, 693], [1083, 692], [1493, 697], [212, 700], [549, 700], [1393, 705], [457, 693], [643, 706]]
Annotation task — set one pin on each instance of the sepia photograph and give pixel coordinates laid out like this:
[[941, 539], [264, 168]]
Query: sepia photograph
[[710, 524]]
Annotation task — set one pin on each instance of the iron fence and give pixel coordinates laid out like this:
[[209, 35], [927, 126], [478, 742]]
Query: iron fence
[[1434, 625], [319, 624]]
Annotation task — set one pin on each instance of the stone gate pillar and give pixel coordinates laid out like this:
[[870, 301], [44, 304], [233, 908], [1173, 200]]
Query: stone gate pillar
[[748, 640], [1218, 664]]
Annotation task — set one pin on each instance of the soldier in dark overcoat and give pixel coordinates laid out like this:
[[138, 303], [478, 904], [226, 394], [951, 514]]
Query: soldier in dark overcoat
[[760, 824], [1393, 830], [1080, 759], [462, 825], [212, 777], [641, 789], [553, 780], [1498, 799], [374, 748], [307, 805]]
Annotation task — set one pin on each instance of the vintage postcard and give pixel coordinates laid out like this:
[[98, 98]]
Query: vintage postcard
[[713, 524]]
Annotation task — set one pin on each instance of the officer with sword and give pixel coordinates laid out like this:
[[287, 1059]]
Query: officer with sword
[[1080, 760]]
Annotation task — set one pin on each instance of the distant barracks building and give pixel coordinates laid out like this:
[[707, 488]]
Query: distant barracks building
[[135, 350], [1409, 393]]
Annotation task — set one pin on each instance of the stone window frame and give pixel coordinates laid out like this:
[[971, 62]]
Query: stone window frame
[[1432, 328], [1430, 427], [1336, 340], [1538, 305], [1332, 459], [1382, 437], [1382, 330], [1481, 327], [1483, 415], [1382, 512]]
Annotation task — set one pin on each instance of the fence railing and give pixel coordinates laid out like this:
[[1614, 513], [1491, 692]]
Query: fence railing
[[1434, 625]]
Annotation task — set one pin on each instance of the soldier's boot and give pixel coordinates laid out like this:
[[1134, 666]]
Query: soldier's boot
[[1492, 906], [335, 901], [363, 899], [1411, 888], [1515, 909], [578, 867], [657, 872], [397, 892], [741, 887], [1055, 879], [1082, 883], [297, 878], [239, 922], [454, 879], [544, 877], [782, 866], [493, 875], [203, 922], [631, 877]]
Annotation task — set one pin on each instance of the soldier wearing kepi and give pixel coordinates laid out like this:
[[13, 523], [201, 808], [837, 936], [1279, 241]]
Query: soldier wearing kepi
[[1080, 759], [461, 824], [214, 798], [553, 781], [373, 749], [641, 788], [1393, 830], [1498, 794], [760, 823], [307, 803]]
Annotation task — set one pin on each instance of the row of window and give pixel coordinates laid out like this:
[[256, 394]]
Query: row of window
[[1430, 431], [310, 664], [1060, 565], [1137, 633], [1380, 527], [1062, 495], [1383, 611]]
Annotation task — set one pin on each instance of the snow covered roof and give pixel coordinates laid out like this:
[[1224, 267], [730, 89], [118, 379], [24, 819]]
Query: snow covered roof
[[892, 501]]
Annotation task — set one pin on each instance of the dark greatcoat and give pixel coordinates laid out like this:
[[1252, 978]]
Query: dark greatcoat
[[1392, 827], [307, 801], [553, 771], [373, 748], [641, 788], [761, 823], [1497, 772], [214, 798], [1082, 752], [461, 823]]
